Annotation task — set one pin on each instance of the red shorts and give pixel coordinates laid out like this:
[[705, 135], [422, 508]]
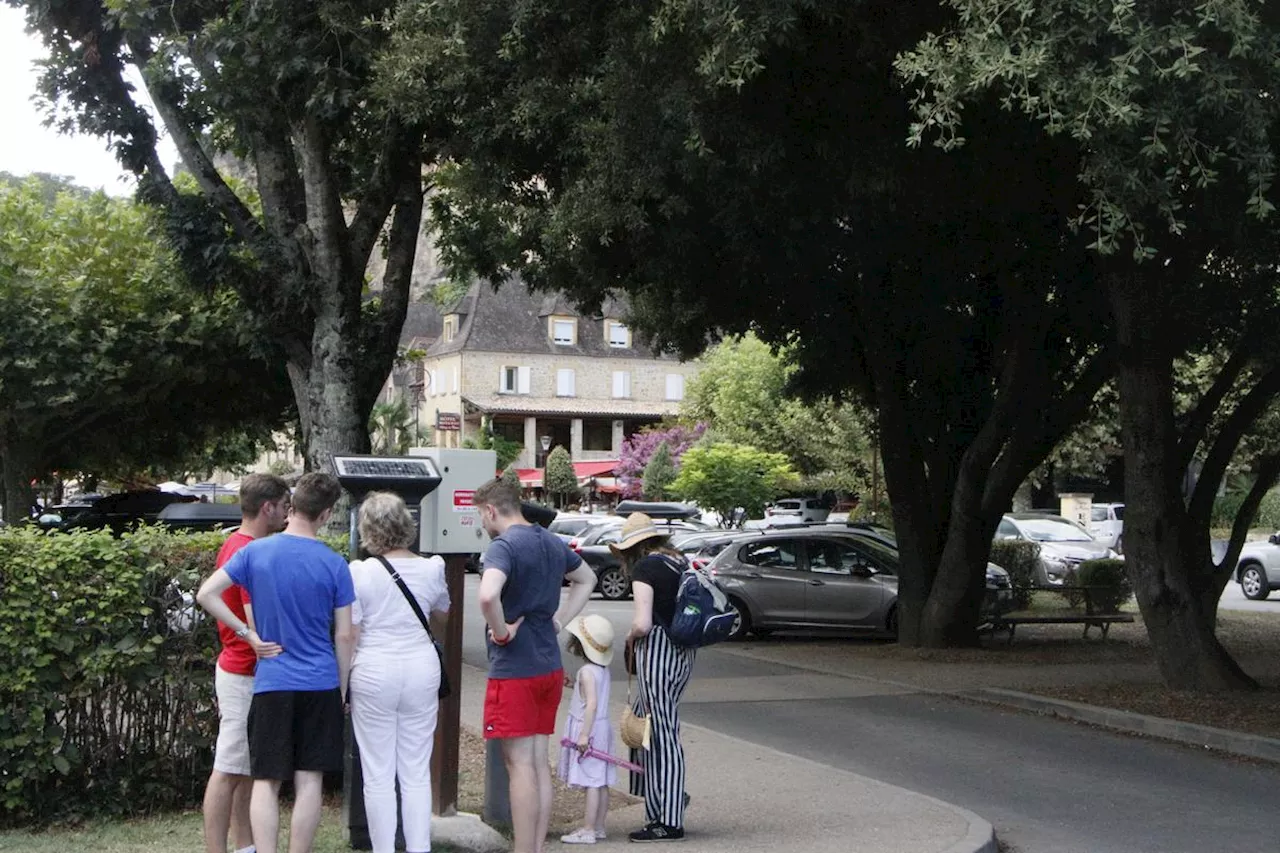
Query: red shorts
[[522, 707]]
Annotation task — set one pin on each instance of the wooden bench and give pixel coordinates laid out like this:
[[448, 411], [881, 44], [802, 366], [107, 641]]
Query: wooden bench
[[1092, 617]]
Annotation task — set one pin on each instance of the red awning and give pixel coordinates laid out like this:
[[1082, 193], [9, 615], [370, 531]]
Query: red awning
[[587, 470], [530, 478]]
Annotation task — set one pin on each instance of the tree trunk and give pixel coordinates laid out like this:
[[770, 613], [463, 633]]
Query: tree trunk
[[914, 520], [1164, 563], [328, 392], [15, 477], [952, 614]]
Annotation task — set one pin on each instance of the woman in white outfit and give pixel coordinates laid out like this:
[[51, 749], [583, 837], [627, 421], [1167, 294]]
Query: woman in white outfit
[[395, 673]]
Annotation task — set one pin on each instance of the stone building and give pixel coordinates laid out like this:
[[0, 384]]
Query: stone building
[[543, 375]]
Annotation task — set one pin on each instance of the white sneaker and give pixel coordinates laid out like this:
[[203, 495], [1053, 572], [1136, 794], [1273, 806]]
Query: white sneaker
[[580, 836], [600, 835]]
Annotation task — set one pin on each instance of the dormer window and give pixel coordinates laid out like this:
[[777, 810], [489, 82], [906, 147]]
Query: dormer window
[[617, 334], [564, 331], [450, 327]]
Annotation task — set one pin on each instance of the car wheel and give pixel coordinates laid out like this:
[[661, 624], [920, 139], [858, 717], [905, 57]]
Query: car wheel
[[891, 624], [613, 584], [1120, 544], [741, 625], [1254, 582]]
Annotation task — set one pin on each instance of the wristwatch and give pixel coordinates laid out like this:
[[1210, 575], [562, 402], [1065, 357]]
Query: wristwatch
[[244, 632]]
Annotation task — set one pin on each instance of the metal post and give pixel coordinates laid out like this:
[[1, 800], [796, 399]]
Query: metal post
[[444, 758], [497, 786]]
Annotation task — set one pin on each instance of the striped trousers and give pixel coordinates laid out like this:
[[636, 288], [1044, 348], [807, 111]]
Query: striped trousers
[[663, 670]]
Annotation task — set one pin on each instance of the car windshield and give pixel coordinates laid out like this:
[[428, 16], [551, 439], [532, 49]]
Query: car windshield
[[1053, 530]]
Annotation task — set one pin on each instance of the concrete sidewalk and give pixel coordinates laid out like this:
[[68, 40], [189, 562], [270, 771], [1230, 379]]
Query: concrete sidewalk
[[749, 798]]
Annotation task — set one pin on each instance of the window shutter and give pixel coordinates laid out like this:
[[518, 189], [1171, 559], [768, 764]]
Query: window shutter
[[525, 379], [502, 381], [564, 383], [675, 386], [454, 386], [621, 384]]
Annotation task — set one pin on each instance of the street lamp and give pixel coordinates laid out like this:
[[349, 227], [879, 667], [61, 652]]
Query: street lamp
[[545, 441]]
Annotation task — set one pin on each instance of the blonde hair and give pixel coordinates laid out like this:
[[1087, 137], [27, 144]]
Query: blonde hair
[[385, 523]]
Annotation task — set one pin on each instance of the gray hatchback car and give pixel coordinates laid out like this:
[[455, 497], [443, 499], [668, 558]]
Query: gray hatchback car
[[809, 580]]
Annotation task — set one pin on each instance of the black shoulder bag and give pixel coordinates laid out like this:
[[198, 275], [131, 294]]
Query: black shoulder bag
[[445, 688]]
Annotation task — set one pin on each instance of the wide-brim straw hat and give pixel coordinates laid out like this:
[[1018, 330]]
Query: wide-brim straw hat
[[636, 529], [596, 635]]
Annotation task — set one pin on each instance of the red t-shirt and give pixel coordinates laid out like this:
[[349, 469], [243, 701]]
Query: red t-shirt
[[237, 656]]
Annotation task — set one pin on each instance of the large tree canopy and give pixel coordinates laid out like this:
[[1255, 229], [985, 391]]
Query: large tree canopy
[[109, 362], [1172, 105], [283, 86], [741, 166]]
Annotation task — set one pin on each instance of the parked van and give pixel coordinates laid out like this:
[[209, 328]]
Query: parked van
[[1106, 523]]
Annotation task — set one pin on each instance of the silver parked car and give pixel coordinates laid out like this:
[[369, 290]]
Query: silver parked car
[[1258, 569], [1064, 545], [809, 579]]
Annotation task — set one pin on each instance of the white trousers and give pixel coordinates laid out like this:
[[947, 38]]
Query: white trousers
[[393, 714]]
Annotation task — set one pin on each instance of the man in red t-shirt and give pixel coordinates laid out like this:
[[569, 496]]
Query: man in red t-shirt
[[264, 509]]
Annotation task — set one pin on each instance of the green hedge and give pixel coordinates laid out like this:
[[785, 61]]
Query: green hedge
[[1021, 559], [106, 699], [1227, 506], [1108, 581]]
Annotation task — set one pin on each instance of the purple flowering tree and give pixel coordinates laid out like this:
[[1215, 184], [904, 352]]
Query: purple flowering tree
[[637, 450]]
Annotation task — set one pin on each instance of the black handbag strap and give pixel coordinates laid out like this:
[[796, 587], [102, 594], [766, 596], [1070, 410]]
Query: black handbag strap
[[408, 596]]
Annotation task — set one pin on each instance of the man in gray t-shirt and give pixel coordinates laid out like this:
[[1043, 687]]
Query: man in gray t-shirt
[[524, 570]]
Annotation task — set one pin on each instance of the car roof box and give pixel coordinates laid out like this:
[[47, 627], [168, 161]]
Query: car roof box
[[229, 513], [656, 509]]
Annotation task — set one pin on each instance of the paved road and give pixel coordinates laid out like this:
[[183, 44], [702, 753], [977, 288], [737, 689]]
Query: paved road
[[1233, 599], [1047, 786]]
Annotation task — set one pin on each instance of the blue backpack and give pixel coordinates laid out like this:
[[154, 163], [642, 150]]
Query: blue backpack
[[703, 616]]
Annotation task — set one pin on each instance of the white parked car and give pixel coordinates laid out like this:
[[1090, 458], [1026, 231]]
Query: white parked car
[[1106, 523], [798, 509]]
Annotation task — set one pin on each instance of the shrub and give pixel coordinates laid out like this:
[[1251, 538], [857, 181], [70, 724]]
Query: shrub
[[1108, 582], [1021, 559], [106, 698], [1227, 506]]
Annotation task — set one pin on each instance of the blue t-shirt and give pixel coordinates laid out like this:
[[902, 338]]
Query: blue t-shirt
[[535, 563], [295, 584]]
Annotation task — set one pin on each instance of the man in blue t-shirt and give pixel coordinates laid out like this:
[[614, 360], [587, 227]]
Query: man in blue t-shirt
[[301, 590], [524, 570]]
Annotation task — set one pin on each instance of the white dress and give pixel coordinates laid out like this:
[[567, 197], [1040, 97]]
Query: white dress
[[581, 771]]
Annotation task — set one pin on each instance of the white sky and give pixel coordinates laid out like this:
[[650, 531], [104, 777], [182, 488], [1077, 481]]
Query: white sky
[[26, 145]]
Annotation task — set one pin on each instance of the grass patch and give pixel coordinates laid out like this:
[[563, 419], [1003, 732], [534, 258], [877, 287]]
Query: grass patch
[[182, 832], [1256, 712], [172, 833]]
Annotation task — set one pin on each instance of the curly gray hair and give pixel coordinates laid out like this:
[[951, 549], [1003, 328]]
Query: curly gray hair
[[385, 523]]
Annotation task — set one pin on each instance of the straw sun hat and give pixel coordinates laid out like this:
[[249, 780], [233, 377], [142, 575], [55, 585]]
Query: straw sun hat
[[636, 529], [596, 635]]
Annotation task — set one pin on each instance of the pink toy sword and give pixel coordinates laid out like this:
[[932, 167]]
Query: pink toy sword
[[592, 752]]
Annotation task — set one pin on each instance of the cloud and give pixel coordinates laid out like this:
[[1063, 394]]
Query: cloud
[[26, 145]]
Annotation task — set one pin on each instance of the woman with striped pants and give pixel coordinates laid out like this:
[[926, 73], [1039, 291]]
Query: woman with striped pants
[[663, 669]]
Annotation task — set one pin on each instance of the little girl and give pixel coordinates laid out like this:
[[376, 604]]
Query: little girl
[[591, 639]]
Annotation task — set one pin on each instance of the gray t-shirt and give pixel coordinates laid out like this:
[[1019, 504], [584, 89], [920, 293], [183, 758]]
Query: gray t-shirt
[[535, 563]]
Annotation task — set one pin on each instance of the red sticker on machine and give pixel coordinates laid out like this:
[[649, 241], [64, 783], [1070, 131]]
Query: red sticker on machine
[[464, 500]]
